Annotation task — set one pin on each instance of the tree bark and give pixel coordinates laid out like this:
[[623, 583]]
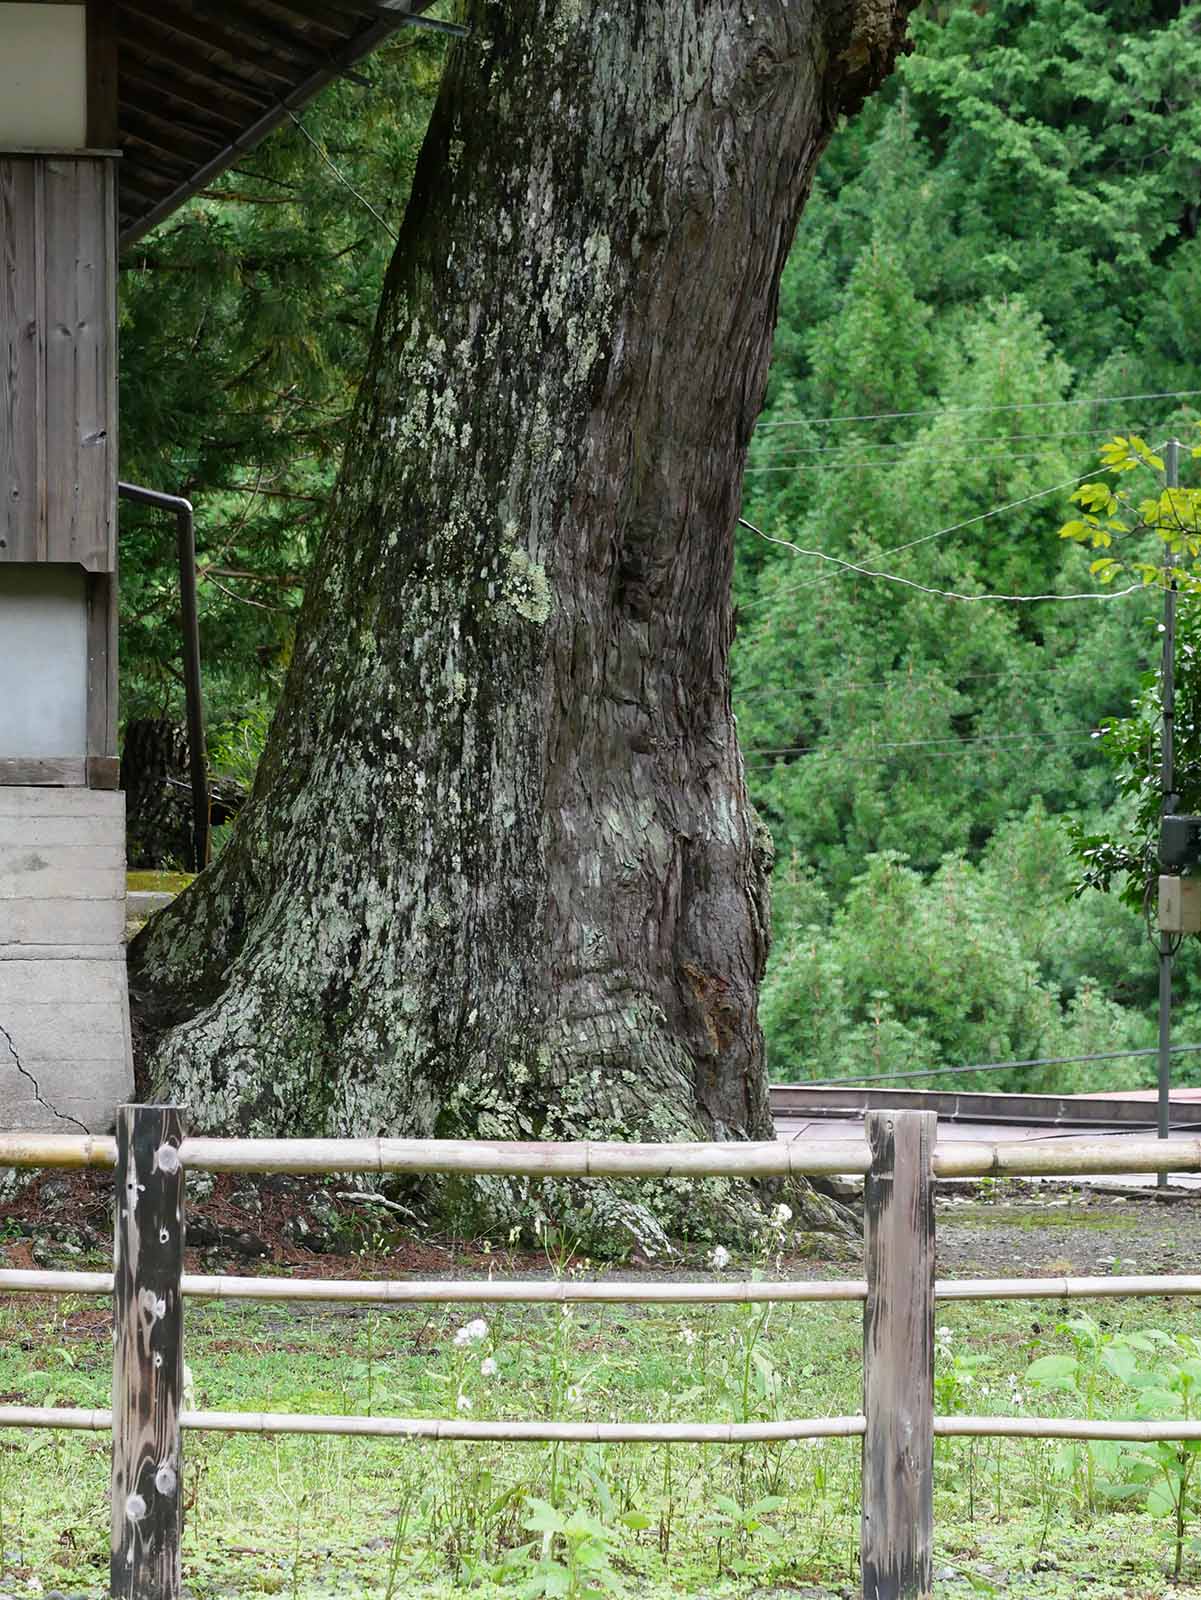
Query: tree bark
[[499, 875]]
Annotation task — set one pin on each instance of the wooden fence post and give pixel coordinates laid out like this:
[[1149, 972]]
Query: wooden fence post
[[898, 1357], [148, 1241]]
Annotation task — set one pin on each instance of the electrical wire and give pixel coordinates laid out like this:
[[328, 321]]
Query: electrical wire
[[914, 744], [342, 179], [912, 544], [899, 679], [948, 411], [994, 1066], [973, 752], [903, 447], [888, 466], [943, 594]]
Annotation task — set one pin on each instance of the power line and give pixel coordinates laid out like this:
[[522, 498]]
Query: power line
[[903, 447], [994, 1066], [955, 527], [890, 465], [973, 752], [942, 594], [342, 179], [898, 679], [948, 411], [1059, 736]]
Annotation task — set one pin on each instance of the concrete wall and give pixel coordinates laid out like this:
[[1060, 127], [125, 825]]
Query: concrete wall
[[64, 1009]]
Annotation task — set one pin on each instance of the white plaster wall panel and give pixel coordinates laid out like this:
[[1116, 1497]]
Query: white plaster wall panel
[[43, 661], [43, 76]]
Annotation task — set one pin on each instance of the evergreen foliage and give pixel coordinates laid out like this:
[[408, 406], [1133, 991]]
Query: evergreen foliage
[[1006, 233], [245, 323]]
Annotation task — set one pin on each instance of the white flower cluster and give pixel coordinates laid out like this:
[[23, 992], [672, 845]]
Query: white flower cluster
[[472, 1332], [720, 1259]]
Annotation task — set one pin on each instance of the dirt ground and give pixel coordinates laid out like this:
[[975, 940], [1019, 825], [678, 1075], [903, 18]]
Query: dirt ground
[[1005, 1229]]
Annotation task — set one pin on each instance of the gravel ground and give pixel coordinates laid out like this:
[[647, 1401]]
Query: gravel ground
[[1041, 1230]]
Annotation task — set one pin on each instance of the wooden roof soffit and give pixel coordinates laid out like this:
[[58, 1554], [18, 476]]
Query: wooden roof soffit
[[201, 82]]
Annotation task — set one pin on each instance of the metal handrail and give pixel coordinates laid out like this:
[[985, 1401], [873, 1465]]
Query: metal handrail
[[185, 544]]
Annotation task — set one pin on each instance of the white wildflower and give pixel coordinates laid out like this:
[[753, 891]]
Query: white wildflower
[[688, 1336], [464, 1402], [472, 1332], [720, 1258], [782, 1215], [573, 1394], [488, 1367]]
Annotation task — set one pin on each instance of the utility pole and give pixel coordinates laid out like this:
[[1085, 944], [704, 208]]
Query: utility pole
[[1167, 778]]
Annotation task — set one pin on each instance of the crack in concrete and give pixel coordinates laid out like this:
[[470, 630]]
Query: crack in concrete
[[63, 1116]]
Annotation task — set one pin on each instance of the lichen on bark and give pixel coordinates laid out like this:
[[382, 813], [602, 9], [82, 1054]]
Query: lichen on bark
[[499, 875]]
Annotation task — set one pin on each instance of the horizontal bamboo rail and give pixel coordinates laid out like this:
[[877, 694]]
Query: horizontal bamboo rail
[[495, 1158], [1066, 1158], [953, 1159], [1113, 1288], [277, 1422], [281, 1422], [560, 1291], [57, 1150], [464, 1291], [1166, 1429]]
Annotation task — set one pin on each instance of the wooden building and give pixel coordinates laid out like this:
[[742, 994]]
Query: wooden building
[[112, 115]]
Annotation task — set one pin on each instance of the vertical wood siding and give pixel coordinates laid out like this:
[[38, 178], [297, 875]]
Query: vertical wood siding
[[58, 354]]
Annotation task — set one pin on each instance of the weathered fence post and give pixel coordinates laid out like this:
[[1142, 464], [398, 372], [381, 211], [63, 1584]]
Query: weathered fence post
[[148, 1240], [898, 1357]]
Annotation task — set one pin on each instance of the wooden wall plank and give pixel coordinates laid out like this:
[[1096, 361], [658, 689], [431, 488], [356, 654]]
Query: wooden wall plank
[[21, 366], [103, 121], [102, 667], [58, 360], [51, 772], [897, 1532], [78, 364]]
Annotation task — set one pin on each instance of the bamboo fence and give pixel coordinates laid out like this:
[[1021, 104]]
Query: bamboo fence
[[899, 1160], [609, 1292]]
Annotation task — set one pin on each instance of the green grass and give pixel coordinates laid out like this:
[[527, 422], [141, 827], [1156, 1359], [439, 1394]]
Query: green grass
[[323, 1517], [158, 882]]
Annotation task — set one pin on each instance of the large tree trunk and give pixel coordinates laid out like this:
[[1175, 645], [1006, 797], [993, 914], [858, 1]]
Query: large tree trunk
[[500, 876]]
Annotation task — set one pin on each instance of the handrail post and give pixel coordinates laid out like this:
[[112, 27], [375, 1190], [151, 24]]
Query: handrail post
[[898, 1357], [148, 1241]]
